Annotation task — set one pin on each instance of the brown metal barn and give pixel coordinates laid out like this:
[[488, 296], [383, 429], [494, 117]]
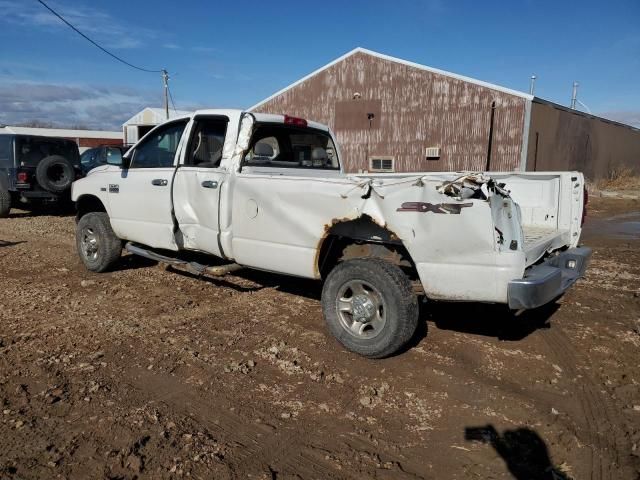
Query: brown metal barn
[[393, 115]]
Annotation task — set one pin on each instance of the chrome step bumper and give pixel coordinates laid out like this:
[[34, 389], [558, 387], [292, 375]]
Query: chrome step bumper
[[544, 282]]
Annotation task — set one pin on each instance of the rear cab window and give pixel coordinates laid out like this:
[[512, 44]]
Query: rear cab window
[[286, 146]]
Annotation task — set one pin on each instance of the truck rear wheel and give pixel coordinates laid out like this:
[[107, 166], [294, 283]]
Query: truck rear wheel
[[5, 203], [370, 307], [97, 244]]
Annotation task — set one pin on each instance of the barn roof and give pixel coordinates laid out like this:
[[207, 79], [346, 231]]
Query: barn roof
[[402, 62], [154, 116]]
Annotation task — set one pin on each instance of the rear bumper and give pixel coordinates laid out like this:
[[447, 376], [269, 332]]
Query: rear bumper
[[544, 282], [41, 194]]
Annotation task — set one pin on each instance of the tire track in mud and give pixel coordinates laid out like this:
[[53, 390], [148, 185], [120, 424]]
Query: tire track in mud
[[285, 450], [600, 416]]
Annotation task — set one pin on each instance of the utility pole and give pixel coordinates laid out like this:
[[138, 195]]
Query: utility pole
[[532, 85], [165, 81], [574, 95]]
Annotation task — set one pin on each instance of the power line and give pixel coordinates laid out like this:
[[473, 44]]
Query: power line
[[171, 97], [94, 43]]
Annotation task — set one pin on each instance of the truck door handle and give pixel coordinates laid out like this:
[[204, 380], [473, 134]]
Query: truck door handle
[[159, 182], [210, 184]]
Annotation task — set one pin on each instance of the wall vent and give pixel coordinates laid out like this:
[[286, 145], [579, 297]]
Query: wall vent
[[432, 153], [381, 164]]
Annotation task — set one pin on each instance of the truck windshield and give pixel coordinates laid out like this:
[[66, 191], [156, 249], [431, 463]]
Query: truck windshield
[[291, 147], [30, 150]]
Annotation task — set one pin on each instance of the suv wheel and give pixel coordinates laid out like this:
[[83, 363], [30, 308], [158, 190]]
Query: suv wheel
[[98, 247], [5, 203], [55, 174], [370, 307]]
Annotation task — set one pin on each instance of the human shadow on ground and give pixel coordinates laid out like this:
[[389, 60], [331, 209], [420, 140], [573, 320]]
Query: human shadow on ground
[[524, 452]]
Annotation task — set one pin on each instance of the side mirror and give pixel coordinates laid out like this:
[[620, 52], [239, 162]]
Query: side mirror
[[114, 157], [125, 163]]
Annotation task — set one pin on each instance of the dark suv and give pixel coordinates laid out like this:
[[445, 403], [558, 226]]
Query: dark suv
[[35, 170]]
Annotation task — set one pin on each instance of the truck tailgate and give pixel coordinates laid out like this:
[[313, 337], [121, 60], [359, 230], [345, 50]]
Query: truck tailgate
[[550, 205]]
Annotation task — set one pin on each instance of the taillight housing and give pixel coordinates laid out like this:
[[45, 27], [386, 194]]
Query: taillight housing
[[585, 201], [23, 177], [300, 122]]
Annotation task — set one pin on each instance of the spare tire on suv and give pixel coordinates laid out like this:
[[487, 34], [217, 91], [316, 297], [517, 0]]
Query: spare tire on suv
[[55, 174]]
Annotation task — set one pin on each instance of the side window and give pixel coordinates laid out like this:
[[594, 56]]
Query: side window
[[159, 149], [5, 151], [207, 142]]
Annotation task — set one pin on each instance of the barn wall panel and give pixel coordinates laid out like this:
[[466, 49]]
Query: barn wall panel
[[417, 109], [564, 140]]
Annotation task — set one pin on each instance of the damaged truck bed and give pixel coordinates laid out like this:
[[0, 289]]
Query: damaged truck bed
[[268, 192]]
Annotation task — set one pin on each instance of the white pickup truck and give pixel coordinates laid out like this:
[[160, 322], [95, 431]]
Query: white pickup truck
[[268, 192]]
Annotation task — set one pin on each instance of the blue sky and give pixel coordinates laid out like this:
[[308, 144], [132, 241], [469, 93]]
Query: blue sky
[[233, 54]]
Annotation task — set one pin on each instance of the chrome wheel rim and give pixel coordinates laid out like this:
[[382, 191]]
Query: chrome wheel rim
[[361, 309], [89, 243]]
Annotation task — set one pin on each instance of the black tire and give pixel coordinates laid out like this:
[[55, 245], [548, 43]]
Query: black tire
[[55, 174], [394, 307], [97, 245], [5, 203]]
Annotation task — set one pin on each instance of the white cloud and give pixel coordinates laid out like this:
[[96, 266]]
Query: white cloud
[[102, 27], [99, 107], [628, 117]]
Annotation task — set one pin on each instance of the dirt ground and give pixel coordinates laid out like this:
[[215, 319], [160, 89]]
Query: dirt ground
[[149, 373]]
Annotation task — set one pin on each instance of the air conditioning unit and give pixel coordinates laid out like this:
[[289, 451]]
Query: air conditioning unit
[[381, 164], [432, 153]]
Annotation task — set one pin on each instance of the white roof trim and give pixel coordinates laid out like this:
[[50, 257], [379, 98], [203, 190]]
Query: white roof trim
[[62, 132], [400, 61]]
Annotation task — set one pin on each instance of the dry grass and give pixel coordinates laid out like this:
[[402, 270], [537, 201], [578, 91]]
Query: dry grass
[[619, 178]]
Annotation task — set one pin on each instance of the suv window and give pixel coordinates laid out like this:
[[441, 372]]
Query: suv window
[[159, 150], [89, 157], [6, 154], [291, 147], [207, 141]]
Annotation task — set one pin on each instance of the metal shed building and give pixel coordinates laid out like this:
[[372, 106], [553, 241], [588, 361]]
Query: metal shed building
[[390, 114], [142, 122]]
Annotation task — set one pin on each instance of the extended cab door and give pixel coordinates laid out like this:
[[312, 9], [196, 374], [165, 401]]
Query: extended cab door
[[198, 185], [140, 197], [287, 192]]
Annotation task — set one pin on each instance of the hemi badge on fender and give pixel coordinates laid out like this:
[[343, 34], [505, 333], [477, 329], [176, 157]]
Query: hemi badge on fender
[[113, 188], [448, 208]]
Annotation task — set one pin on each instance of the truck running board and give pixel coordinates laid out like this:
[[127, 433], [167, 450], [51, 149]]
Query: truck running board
[[192, 267]]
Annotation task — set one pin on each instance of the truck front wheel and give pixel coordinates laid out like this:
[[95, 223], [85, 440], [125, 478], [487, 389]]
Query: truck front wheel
[[370, 307], [98, 247]]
